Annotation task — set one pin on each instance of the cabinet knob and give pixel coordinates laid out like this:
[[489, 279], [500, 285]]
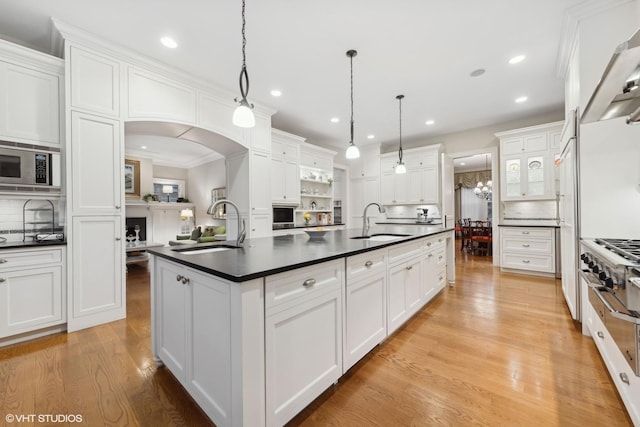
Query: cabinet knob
[[409, 267], [178, 277], [285, 197], [368, 264], [430, 255], [525, 245], [117, 206], [428, 243], [309, 282], [624, 378], [526, 261], [185, 280], [118, 239], [2, 280], [525, 232], [2, 261], [600, 334]]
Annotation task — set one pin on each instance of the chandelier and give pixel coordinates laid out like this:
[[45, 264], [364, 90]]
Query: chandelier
[[484, 191]]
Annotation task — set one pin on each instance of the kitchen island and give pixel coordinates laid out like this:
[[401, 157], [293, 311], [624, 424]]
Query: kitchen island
[[256, 333]]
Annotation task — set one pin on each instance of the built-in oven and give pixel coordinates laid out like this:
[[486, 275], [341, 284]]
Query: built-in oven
[[284, 217], [24, 167]]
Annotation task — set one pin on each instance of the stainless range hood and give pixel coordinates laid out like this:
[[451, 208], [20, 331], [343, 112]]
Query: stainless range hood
[[617, 93]]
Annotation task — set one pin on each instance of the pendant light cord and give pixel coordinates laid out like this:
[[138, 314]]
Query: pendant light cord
[[244, 76], [399, 98], [351, 59]]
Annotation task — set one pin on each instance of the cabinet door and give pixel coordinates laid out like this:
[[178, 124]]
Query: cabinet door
[[401, 188], [291, 182], [278, 182], [387, 189], [303, 346], [260, 182], [261, 226], [209, 326], [95, 82], [413, 278], [97, 166], [170, 336], [536, 177], [366, 317], [97, 262], [397, 311], [29, 104], [429, 281], [31, 299], [512, 185]]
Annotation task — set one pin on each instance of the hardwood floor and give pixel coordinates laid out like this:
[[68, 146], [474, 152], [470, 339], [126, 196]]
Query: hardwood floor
[[495, 350]]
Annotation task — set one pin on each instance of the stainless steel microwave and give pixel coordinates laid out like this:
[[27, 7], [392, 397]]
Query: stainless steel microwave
[[283, 217], [27, 167]]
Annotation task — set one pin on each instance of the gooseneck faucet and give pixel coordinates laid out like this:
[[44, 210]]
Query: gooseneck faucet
[[365, 218], [242, 233]]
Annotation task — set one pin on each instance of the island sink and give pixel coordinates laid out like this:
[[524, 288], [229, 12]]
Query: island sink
[[382, 237]]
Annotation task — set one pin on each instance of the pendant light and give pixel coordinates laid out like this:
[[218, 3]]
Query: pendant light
[[484, 191], [352, 151], [401, 167], [243, 116]]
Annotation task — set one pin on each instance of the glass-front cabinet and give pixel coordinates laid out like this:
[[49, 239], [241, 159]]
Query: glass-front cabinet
[[526, 177]]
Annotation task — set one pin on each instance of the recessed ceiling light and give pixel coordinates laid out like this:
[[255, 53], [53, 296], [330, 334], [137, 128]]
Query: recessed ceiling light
[[370, 136], [144, 147], [429, 122], [521, 99], [478, 72], [169, 42], [335, 120], [276, 93], [517, 59], [462, 163]]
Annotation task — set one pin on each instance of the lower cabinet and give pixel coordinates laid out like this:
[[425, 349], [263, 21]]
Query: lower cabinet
[[303, 337], [32, 290], [530, 249], [365, 324], [405, 291], [193, 335]]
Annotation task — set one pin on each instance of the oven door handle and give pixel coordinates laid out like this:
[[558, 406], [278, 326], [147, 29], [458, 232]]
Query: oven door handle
[[615, 313]]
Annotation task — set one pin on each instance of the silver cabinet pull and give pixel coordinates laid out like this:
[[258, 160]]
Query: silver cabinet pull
[[2, 261], [526, 261], [409, 267], [185, 280], [368, 264], [525, 232], [2, 280], [117, 206], [428, 243], [600, 334], [309, 282], [624, 378], [525, 245], [178, 277], [118, 239]]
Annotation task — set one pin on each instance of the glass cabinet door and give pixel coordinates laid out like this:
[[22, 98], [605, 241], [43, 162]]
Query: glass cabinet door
[[536, 166], [513, 178]]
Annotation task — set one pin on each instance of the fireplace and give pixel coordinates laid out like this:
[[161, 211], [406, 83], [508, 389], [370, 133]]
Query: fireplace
[[140, 222]]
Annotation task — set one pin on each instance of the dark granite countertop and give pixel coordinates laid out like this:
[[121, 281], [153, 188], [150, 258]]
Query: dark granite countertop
[[31, 244], [408, 222], [270, 255], [310, 226], [529, 223]]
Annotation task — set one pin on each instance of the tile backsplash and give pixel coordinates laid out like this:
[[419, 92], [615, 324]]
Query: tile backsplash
[[13, 213], [533, 210], [411, 211]]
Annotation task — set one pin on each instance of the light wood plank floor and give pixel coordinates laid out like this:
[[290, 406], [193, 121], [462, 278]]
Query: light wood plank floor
[[495, 350]]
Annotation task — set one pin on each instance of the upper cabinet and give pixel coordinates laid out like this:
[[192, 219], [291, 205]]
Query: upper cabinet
[[95, 83], [527, 156], [285, 168], [30, 95], [419, 185]]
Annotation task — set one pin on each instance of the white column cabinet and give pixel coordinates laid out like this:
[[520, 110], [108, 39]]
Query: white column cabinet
[[32, 290], [285, 168], [303, 337], [95, 82], [365, 320]]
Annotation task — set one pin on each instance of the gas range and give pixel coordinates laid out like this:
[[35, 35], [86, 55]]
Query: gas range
[[627, 249]]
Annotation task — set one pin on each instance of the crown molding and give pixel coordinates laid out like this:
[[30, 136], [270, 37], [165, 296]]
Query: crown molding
[[570, 24]]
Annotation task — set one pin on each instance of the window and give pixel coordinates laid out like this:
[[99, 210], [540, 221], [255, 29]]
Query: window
[[176, 184]]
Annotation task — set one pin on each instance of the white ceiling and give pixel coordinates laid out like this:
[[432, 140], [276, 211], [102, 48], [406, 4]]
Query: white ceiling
[[424, 49]]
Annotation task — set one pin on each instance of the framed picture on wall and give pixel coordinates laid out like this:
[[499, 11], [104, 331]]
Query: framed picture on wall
[[131, 178]]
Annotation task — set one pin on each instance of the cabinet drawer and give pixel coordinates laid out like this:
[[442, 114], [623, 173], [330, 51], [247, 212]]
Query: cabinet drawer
[[441, 279], [404, 251], [434, 242], [528, 262], [521, 245], [527, 232], [441, 259], [307, 282], [365, 264], [29, 257]]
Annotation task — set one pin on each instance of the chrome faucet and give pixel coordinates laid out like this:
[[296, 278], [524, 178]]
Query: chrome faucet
[[365, 218], [242, 232]]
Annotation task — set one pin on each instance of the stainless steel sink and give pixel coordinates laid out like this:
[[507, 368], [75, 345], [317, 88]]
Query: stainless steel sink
[[204, 250], [382, 237]]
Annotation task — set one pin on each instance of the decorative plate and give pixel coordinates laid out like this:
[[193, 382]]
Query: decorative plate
[[514, 167], [535, 164]]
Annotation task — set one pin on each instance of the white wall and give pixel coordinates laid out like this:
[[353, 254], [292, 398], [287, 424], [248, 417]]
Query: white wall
[[609, 150], [202, 179]]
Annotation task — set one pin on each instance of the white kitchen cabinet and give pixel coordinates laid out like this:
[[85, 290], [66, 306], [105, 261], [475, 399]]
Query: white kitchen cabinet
[[260, 222], [527, 156], [96, 264], [154, 96], [367, 165], [285, 169], [419, 185], [32, 290], [433, 267], [363, 192], [96, 164], [404, 293], [30, 103], [95, 82], [365, 324], [190, 304], [309, 158], [303, 337], [529, 249]]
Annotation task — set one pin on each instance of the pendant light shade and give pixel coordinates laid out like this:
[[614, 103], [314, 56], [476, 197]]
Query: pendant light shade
[[243, 114], [401, 168], [352, 150]]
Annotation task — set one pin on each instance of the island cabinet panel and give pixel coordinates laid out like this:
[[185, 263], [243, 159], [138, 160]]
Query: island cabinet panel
[[405, 291], [365, 323], [303, 337]]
